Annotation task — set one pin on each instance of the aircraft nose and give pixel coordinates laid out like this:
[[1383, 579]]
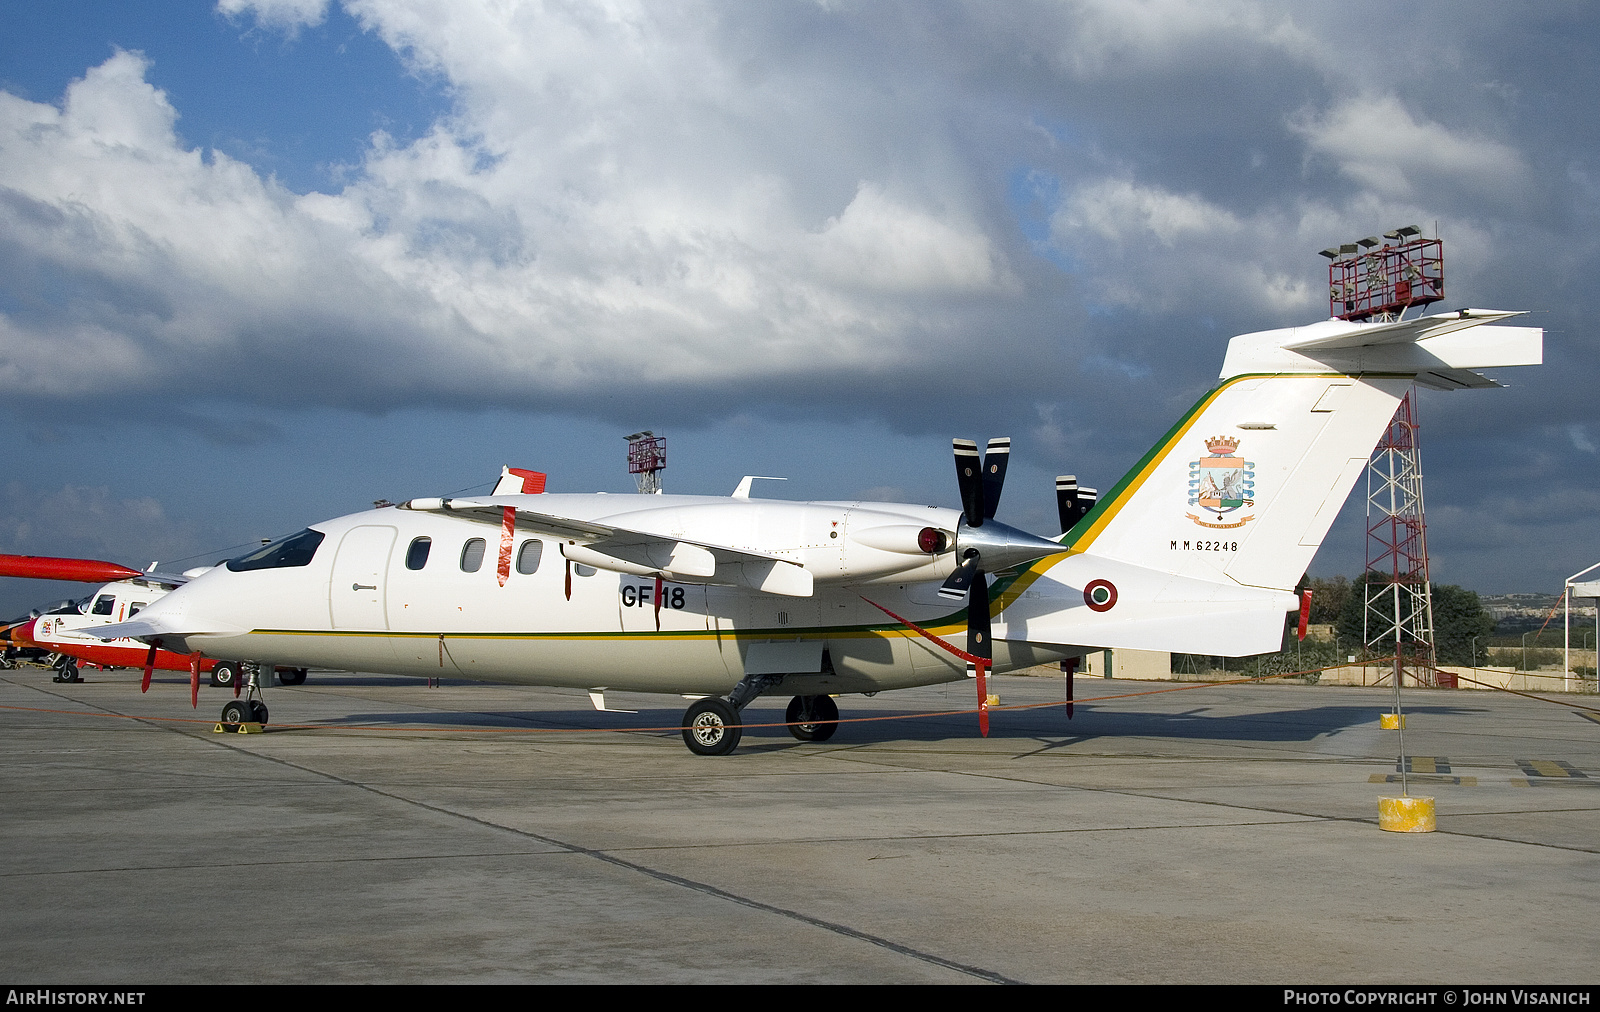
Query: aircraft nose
[[20, 634]]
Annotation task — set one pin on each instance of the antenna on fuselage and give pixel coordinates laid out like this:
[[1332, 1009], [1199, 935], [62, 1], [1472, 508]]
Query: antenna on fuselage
[[647, 458]]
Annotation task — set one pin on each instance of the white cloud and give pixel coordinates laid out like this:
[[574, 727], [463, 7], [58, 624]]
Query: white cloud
[[1158, 251], [602, 211], [285, 14], [1377, 142], [1120, 210], [1130, 38]]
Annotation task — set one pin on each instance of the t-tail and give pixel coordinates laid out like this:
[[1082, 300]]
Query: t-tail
[[1197, 547], [1245, 486]]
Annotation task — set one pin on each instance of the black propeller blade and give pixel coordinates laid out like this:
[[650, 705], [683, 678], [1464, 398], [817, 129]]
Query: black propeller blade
[[981, 484], [995, 459], [978, 619], [979, 644], [981, 481], [1073, 502], [969, 474], [955, 585]]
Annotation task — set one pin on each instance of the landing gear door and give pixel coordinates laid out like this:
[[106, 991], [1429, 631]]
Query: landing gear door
[[360, 573]]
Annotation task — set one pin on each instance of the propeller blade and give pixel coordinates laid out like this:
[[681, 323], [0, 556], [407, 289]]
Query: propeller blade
[[1067, 500], [149, 665], [969, 475], [995, 459], [979, 646], [1073, 501], [1087, 497], [194, 680], [41, 567], [956, 585]]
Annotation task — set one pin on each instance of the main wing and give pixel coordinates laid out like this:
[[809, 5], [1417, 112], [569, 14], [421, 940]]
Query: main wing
[[638, 553]]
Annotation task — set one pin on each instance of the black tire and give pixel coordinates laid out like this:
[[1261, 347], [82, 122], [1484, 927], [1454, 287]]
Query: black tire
[[69, 671], [711, 727], [807, 717], [225, 675], [237, 711], [295, 676], [258, 712]]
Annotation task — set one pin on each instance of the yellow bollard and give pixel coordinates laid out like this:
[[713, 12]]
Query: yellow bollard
[[1392, 721], [1406, 815]]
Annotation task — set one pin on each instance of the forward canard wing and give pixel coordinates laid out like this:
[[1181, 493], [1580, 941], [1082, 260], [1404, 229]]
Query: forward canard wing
[[639, 553]]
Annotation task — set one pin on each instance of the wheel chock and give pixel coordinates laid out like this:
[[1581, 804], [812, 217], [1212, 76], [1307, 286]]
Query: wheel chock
[[248, 727], [1406, 815], [1392, 721]]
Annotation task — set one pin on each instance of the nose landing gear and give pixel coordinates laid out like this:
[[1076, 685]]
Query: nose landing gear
[[250, 709]]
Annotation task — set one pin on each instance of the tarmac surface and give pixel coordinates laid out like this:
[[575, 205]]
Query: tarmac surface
[[477, 833]]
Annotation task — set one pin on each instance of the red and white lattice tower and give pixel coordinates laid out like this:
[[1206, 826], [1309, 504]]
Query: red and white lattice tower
[[647, 458], [1398, 616]]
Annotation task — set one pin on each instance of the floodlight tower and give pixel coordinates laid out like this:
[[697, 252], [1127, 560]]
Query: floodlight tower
[[1376, 281], [647, 458], [1399, 598]]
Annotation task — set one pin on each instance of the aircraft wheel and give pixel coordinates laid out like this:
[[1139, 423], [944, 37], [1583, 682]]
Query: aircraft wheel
[[295, 677], [258, 712], [225, 674], [237, 711], [802, 711], [711, 727], [69, 671]]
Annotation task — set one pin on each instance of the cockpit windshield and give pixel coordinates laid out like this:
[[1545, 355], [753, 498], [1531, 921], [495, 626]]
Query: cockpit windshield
[[285, 553]]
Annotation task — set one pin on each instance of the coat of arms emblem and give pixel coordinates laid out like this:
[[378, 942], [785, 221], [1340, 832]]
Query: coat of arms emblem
[[1221, 484]]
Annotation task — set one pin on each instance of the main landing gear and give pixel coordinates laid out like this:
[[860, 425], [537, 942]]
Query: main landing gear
[[808, 717], [711, 725], [250, 709]]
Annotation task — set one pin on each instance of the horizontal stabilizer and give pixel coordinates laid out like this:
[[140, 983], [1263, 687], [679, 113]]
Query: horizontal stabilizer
[[1440, 351]]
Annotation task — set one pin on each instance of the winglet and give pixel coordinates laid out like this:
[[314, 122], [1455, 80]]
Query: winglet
[[743, 491], [518, 481]]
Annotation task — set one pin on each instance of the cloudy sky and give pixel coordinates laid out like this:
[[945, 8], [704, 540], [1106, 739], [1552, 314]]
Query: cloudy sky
[[264, 261]]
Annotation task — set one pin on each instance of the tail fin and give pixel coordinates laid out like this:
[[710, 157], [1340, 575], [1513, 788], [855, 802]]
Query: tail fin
[[1244, 488]]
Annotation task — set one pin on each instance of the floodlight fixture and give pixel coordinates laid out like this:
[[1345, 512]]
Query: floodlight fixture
[[1375, 279]]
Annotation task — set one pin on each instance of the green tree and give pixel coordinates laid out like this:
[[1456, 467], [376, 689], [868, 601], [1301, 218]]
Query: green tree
[[1458, 616], [1327, 599]]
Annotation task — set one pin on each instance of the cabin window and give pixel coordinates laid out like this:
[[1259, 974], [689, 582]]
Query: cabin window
[[417, 554], [103, 605], [528, 556], [285, 553], [583, 570], [472, 555], [136, 607]]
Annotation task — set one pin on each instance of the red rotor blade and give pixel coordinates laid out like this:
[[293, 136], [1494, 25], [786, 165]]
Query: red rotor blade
[[149, 665], [40, 567], [194, 680]]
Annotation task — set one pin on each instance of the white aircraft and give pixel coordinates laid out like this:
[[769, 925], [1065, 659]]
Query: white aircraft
[[731, 598]]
